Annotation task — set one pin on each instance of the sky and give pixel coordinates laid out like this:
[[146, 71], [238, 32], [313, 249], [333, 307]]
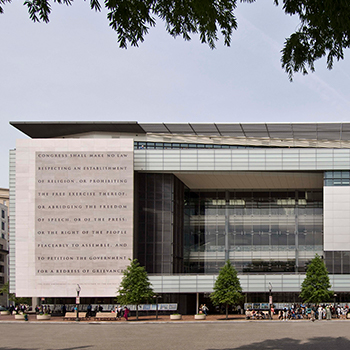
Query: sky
[[73, 69]]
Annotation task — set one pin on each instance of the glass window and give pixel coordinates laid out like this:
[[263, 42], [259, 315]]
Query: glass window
[[255, 222]]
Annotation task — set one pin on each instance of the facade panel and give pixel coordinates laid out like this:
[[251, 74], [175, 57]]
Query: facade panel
[[70, 227]]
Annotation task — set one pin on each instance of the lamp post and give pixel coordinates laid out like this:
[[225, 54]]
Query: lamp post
[[77, 301], [156, 297], [270, 299]]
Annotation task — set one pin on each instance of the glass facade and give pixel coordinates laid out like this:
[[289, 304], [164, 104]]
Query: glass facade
[[159, 222], [259, 231], [178, 145], [337, 178], [337, 262]]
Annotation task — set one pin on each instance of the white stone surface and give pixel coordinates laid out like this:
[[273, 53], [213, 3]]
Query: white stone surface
[[50, 262], [336, 215]]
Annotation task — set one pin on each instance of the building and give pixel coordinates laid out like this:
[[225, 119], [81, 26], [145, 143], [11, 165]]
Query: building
[[4, 219], [4, 196], [182, 199]]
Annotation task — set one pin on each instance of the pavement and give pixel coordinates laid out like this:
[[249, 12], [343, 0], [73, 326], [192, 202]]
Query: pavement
[[152, 319], [213, 334], [132, 319]]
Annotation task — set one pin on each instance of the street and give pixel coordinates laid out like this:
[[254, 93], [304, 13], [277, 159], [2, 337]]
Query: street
[[221, 335]]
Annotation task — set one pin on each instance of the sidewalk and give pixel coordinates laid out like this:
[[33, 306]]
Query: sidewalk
[[149, 319]]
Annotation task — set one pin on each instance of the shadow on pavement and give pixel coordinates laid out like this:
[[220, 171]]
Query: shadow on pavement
[[327, 343]]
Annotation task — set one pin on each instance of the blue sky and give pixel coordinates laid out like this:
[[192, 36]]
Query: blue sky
[[73, 69]]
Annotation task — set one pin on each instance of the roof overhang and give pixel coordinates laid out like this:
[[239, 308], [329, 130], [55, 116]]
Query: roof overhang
[[61, 129], [334, 131]]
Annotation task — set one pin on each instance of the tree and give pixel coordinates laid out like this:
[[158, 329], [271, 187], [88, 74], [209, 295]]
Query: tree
[[135, 287], [323, 31], [315, 287], [227, 288], [5, 289]]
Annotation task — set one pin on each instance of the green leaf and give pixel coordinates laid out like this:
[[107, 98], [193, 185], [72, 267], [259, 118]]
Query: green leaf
[[316, 285]]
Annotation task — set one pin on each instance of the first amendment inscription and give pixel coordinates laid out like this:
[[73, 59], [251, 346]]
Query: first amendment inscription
[[83, 212]]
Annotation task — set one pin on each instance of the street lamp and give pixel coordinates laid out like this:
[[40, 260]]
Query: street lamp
[[270, 299], [157, 297], [77, 301]]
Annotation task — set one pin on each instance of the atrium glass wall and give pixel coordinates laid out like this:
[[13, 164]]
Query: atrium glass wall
[[159, 222], [259, 231]]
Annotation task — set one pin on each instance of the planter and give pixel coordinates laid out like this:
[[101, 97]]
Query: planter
[[43, 317], [199, 317], [4, 312], [19, 317], [175, 317]]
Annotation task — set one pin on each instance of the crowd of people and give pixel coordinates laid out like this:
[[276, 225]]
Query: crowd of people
[[313, 312], [256, 314], [20, 308], [299, 312]]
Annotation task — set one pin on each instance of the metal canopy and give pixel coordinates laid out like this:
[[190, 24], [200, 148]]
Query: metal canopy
[[300, 131], [59, 129]]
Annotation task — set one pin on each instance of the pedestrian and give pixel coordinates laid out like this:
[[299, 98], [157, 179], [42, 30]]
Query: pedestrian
[[205, 309], [89, 310], [64, 309], [320, 312], [285, 313], [328, 313], [126, 313], [312, 315]]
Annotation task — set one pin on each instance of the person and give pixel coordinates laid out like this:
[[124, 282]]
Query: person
[[89, 310], [64, 309], [285, 313], [292, 314], [205, 309], [320, 312], [312, 315], [328, 313], [126, 313], [119, 312], [11, 309]]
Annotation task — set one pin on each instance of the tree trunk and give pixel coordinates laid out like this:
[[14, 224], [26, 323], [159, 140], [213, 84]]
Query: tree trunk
[[137, 312], [226, 311]]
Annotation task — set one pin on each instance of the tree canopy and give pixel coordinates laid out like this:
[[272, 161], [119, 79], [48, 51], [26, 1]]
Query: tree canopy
[[135, 286], [323, 30], [227, 288], [316, 285], [5, 289]]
